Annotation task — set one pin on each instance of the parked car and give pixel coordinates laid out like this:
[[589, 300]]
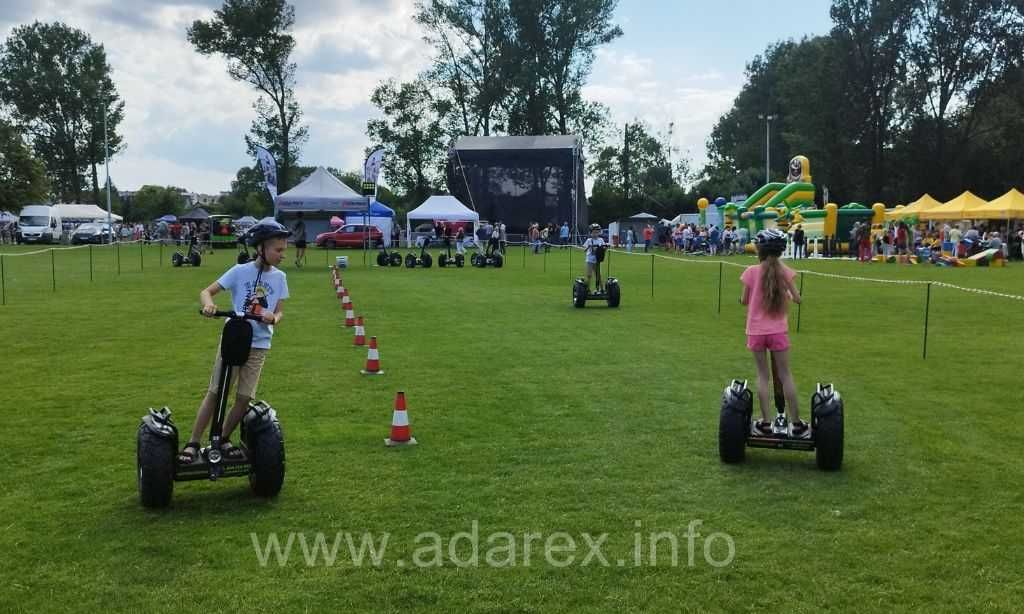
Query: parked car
[[351, 235], [92, 232]]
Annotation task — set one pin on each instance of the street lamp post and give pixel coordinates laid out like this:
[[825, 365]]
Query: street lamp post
[[767, 146], [106, 158]]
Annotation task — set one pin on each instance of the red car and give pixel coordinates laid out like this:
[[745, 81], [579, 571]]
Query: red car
[[351, 235]]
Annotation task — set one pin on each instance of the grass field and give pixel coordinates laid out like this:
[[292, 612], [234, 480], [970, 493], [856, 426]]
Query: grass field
[[532, 418]]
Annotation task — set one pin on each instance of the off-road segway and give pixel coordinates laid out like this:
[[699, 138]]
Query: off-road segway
[[425, 260], [736, 426], [446, 259], [194, 257], [386, 258], [243, 251], [609, 291], [489, 256], [262, 439]]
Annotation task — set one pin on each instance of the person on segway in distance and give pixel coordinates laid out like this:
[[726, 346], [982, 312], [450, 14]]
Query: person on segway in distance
[[767, 289], [257, 288], [593, 249]]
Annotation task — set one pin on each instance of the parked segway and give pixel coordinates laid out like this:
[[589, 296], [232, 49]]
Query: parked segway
[[411, 261], [243, 251], [489, 256], [736, 425], [262, 439], [386, 258], [608, 291], [194, 257], [446, 259]]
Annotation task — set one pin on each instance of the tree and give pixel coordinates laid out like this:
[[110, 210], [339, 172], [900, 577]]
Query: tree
[[413, 137], [22, 176], [153, 201], [253, 35], [57, 84]]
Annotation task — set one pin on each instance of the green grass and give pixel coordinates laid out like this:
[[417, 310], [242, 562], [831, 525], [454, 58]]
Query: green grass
[[532, 417]]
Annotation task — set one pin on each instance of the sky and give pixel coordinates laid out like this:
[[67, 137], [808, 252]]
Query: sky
[[678, 62]]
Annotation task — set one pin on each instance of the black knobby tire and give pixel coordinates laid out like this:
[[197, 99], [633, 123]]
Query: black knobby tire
[[243, 257], [460, 261], [196, 259], [177, 259], [579, 295], [442, 260], [266, 458], [427, 261], [732, 434], [396, 259], [613, 295], [382, 259], [410, 261], [828, 440], [155, 458], [499, 260]]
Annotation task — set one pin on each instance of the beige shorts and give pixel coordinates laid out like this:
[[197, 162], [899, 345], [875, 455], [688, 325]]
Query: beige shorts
[[243, 378]]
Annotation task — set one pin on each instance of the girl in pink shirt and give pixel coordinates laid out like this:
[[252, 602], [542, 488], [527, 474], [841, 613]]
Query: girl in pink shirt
[[767, 289]]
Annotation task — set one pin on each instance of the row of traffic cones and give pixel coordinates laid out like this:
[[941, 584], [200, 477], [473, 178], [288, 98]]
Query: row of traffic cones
[[401, 433]]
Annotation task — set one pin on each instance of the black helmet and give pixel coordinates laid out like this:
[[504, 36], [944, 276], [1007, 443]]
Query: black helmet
[[771, 242], [267, 228], [595, 227]]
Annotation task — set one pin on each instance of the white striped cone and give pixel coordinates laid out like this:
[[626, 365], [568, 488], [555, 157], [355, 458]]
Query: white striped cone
[[346, 301], [337, 282], [360, 338], [340, 292], [401, 433], [372, 360], [350, 318]]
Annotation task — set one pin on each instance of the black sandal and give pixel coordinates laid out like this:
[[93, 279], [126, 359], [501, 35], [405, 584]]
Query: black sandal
[[230, 452], [189, 453]]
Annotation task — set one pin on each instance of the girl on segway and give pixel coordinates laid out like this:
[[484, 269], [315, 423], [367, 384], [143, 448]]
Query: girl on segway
[[257, 288], [593, 249], [767, 290]]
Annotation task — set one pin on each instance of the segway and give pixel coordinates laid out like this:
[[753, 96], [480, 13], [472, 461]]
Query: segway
[[609, 292], [194, 257], [411, 261], [243, 251], [491, 256], [262, 439], [386, 258], [736, 426], [444, 260]]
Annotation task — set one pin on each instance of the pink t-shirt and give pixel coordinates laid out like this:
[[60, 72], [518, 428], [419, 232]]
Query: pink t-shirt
[[758, 321]]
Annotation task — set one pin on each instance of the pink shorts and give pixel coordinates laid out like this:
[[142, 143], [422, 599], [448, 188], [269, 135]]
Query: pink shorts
[[776, 342]]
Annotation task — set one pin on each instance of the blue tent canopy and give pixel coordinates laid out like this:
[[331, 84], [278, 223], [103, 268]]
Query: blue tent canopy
[[379, 209]]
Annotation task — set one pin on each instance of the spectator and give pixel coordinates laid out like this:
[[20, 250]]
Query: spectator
[[648, 235], [629, 240], [563, 234], [799, 242]]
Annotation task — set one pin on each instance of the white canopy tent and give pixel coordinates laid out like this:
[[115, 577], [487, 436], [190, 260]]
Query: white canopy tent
[[84, 213], [441, 208], [320, 195]]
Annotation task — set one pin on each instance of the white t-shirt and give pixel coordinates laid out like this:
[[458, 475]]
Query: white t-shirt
[[589, 245], [273, 287]]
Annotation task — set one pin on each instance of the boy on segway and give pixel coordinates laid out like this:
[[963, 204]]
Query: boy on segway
[[767, 289], [257, 288], [593, 249]]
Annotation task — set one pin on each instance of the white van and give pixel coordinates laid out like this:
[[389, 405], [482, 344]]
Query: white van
[[39, 224]]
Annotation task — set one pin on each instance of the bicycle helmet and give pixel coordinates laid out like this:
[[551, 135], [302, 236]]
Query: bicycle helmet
[[265, 229], [771, 242], [595, 227]]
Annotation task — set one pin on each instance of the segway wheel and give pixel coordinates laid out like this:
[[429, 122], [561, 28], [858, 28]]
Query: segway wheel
[[579, 294], [382, 259], [827, 428], [427, 261], [177, 259], [442, 260], [410, 261], [475, 260], [613, 293], [267, 460], [499, 260], [195, 259], [156, 460], [734, 422], [396, 259], [460, 260]]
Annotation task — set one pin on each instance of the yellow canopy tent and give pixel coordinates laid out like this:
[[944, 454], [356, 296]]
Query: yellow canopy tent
[[959, 208], [1008, 206], [919, 206]]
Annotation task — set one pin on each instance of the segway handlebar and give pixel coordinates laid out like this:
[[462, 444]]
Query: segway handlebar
[[232, 314]]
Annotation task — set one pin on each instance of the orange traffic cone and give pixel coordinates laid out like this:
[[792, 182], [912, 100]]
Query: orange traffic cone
[[401, 434], [346, 301], [350, 318], [372, 360], [360, 333]]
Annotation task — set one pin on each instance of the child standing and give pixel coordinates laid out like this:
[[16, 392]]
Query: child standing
[[767, 289], [258, 288], [593, 249]]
